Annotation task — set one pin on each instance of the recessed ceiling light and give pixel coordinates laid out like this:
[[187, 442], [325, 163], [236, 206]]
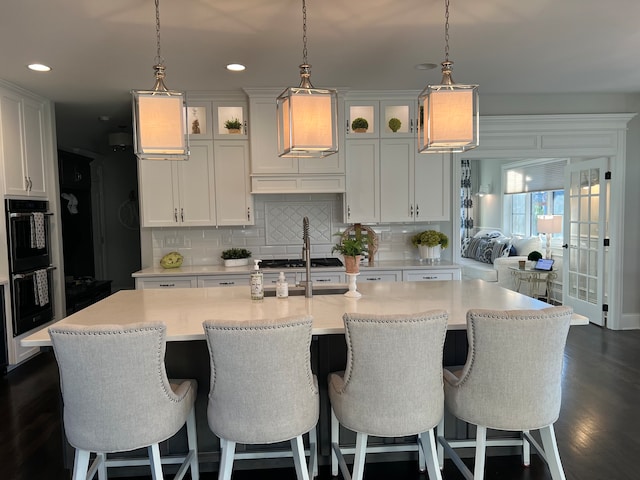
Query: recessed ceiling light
[[235, 67], [38, 67], [426, 66]]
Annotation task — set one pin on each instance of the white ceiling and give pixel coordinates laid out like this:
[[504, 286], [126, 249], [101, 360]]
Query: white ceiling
[[100, 50]]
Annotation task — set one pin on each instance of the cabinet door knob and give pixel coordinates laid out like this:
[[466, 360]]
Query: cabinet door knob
[[248, 213], [348, 211], [182, 214], [411, 210], [175, 215], [417, 210]]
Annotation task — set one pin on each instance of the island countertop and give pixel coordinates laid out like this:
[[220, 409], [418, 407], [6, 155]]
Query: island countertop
[[184, 310]]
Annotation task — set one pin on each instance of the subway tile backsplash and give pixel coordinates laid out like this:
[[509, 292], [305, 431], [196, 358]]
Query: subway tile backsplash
[[277, 232]]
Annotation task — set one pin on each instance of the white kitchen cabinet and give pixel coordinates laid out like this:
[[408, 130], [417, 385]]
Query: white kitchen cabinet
[[178, 193], [367, 275], [273, 174], [432, 274], [223, 281], [143, 283], [413, 187], [22, 136], [323, 278], [362, 199], [234, 204]]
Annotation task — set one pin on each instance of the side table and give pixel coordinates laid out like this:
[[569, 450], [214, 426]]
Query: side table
[[533, 278]]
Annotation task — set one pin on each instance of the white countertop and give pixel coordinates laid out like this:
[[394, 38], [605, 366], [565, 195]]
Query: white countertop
[[158, 271], [184, 310]]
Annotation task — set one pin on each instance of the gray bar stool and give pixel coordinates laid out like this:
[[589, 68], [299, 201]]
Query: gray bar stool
[[117, 397], [392, 386], [262, 389], [511, 381]]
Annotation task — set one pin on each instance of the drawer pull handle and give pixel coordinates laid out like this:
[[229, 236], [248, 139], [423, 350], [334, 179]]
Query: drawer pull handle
[[429, 278], [167, 284], [374, 279], [227, 283], [323, 280]]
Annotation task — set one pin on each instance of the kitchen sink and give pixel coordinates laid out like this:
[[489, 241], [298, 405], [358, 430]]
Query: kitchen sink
[[317, 290]]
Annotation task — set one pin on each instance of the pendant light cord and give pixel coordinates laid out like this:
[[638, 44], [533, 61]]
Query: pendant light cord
[[446, 31], [159, 60], [304, 32]]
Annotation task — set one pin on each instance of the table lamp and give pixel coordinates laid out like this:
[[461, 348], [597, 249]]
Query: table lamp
[[549, 224]]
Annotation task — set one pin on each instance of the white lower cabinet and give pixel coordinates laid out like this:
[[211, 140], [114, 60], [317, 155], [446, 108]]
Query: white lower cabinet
[[431, 275], [143, 283], [320, 278], [379, 276], [223, 281]]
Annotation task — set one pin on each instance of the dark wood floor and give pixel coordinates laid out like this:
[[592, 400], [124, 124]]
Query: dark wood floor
[[598, 431]]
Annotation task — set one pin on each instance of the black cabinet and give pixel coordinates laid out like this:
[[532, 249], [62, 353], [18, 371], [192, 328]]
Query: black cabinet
[[80, 294]]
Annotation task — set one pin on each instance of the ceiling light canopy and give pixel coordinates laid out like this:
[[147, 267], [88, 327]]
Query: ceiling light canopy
[[307, 116], [449, 115], [159, 120]]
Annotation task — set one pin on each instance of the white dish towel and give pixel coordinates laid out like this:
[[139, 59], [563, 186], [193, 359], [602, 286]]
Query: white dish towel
[[41, 287], [37, 230]]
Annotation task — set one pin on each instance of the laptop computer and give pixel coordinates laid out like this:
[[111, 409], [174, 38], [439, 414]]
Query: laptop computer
[[544, 264]]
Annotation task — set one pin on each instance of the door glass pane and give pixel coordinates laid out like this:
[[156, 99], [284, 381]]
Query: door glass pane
[[593, 263], [574, 182], [582, 287], [584, 209], [574, 208], [595, 202]]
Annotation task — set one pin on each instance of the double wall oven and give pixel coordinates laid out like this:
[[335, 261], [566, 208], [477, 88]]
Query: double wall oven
[[29, 263]]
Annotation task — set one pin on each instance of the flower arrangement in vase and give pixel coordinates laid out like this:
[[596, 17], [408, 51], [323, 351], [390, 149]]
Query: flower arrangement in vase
[[430, 243]]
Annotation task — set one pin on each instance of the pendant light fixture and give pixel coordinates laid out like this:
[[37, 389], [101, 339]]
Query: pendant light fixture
[[307, 116], [448, 112], [159, 120]]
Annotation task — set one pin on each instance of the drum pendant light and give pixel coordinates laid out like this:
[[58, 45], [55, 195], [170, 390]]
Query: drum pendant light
[[159, 120], [307, 116], [448, 113]]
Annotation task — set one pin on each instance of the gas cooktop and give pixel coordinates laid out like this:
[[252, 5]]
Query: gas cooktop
[[299, 263]]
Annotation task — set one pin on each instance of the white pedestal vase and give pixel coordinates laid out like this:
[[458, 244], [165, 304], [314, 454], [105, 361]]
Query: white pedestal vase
[[429, 254], [353, 292]]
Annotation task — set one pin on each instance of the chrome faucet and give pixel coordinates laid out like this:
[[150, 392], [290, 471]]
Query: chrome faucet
[[306, 256]]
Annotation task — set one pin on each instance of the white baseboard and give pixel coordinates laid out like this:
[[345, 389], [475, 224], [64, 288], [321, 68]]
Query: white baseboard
[[630, 321]]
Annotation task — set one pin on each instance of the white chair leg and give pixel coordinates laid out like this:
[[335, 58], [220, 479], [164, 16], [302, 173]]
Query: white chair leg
[[192, 440], [156, 463], [80, 464], [548, 436], [102, 467], [360, 455], [428, 445], [313, 453], [526, 450], [226, 459], [481, 447], [335, 439], [299, 459], [421, 464], [440, 433]]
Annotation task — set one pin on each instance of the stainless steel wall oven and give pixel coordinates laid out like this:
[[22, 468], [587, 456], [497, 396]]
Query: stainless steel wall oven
[[29, 263]]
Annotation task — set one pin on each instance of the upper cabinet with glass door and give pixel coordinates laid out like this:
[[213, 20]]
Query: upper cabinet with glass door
[[392, 118], [230, 120], [209, 119]]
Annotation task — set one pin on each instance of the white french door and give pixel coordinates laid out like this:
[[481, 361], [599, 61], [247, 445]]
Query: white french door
[[583, 277]]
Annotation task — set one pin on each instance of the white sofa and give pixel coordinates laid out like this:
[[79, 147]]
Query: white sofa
[[499, 271]]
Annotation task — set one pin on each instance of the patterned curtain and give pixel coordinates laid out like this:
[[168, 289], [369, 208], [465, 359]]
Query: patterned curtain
[[466, 209]]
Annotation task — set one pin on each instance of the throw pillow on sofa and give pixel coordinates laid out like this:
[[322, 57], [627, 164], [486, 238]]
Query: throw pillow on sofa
[[525, 245]]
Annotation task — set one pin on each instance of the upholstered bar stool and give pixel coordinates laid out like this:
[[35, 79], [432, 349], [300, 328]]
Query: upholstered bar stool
[[262, 388], [392, 386], [117, 397], [511, 381]]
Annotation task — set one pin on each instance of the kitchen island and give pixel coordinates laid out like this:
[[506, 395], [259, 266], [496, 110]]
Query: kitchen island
[[184, 310]]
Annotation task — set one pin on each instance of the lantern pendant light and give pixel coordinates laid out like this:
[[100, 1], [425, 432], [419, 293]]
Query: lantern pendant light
[[159, 120], [307, 116], [448, 112]]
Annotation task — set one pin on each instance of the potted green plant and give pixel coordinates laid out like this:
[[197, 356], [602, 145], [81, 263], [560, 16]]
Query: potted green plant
[[430, 243], [534, 257], [351, 247], [233, 126], [359, 125], [235, 257], [395, 124]]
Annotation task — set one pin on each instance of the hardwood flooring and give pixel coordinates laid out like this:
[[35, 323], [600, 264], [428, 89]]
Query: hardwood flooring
[[598, 430]]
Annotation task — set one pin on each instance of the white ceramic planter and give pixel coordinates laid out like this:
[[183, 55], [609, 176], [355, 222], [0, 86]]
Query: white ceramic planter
[[236, 262], [431, 254]]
